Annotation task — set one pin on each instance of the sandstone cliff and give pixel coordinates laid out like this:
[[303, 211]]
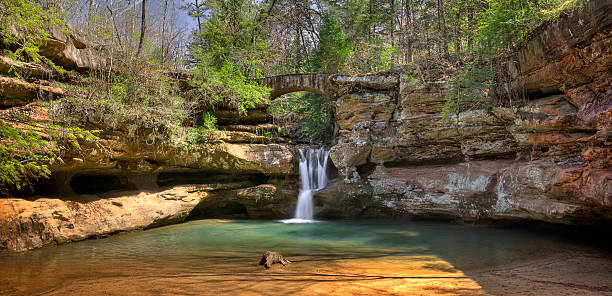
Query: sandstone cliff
[[546, 159], [122, 183]]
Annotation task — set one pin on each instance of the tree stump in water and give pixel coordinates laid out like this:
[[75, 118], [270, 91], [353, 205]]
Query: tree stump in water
[[270, 258]]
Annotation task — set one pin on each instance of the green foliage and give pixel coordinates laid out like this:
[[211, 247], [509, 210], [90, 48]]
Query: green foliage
[[369, 35], [385, 58], [144, 102], [334, 50], [23, 29], [209, 121], [297, 60], [25, 154], [469, 90], [500, 25], [228, 53], [226, 86], [123, 88], [232, 32], [316, 120], [311, 112], [192, 138]]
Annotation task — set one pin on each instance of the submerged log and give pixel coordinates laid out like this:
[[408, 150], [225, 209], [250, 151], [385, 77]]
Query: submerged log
[[270, 258]]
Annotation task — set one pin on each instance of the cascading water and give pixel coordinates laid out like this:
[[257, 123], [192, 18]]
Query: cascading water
[[313, 174]]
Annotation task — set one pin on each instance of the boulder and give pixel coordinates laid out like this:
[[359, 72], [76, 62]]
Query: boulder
[[70, 50], [30, 224], [10, 66], [270, 258]]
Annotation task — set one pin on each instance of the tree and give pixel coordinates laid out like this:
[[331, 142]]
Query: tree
[[142, 26], [233, 50], [334, 50], [442, 29]]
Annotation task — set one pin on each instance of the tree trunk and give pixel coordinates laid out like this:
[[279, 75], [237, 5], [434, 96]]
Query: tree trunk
[[163, 37], [110, 11], [90, 12], [304, 46], [470, 34], [410, 27], [442, 28], [199, 18], [457, 30], [370, 16], [142, 26], [392, 27]]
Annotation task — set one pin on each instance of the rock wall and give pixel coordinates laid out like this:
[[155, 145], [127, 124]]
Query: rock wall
[[37, 222], [547, 159], [124, 183], [127, 180]]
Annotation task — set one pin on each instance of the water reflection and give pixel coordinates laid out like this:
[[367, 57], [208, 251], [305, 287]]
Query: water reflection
[[378, 255]]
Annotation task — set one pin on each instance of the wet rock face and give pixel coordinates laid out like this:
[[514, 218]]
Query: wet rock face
[[265, 201], [547, 159], [479, 190]]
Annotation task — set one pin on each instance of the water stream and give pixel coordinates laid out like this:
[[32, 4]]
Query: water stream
[[313, 175]]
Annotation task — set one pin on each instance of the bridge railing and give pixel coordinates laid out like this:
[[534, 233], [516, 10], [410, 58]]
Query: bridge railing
[[282, 84]]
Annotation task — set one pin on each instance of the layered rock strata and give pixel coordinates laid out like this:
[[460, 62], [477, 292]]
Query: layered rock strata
[[123, 183], [547, 159]]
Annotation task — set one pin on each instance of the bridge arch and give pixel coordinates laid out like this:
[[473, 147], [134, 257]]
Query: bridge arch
[[284, 84]]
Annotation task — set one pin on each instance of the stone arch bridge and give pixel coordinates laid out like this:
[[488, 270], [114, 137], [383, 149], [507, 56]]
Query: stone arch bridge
[[284, 84]]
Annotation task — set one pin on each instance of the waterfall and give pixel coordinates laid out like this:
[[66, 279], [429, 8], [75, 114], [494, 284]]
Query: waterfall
[[313, 174]]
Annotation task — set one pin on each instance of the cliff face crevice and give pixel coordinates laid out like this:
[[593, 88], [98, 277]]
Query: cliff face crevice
[[547, 159]]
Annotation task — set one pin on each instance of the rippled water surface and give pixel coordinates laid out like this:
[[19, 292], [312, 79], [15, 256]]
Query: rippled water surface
[[221, 256]]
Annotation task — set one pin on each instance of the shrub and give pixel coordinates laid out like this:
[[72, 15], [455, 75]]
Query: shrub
[[23, 29], [311, 112], [25, 154], [469, 90], [209, 121], [226, 86]]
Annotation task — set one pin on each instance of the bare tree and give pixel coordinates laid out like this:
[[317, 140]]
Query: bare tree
[[142, 26]]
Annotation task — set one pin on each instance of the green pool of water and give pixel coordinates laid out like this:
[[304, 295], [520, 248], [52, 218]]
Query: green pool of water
[[216, 246]]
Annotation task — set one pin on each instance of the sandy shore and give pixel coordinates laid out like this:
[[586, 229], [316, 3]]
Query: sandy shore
[[571, 273]]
